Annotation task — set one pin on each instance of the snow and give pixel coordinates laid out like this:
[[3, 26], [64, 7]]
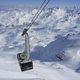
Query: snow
[[41, 71], [2, 41], [54, 43], [15, 75]]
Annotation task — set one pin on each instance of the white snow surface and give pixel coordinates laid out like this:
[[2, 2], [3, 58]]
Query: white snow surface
[[54, 43]]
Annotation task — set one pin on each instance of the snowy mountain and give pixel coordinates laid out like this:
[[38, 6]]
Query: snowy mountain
[[54, 42]]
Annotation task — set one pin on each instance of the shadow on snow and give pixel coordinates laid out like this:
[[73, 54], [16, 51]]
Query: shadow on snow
[[54, 51]]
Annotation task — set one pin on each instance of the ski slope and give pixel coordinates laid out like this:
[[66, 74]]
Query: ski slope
[[41, 71], [54, 43]]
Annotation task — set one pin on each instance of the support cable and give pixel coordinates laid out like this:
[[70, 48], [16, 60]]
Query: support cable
[[42, 7]]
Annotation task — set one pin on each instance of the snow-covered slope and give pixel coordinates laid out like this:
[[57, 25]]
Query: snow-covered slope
[[54, 41], [41, 71]]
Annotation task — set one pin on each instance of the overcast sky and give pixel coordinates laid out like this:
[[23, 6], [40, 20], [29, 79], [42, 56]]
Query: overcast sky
[[35, 3]]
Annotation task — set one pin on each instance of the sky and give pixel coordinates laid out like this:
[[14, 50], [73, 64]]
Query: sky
[[35, 3]]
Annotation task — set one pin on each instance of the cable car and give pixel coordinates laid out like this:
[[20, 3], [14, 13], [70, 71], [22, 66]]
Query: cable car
[[23, 58]]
